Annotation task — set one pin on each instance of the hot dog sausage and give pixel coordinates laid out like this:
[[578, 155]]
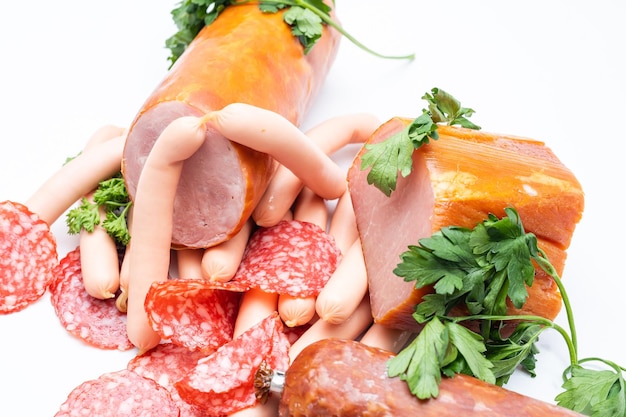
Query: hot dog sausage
[[347, 378]]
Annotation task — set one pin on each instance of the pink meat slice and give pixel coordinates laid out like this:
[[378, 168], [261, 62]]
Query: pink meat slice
[[97, 322], [292, 257], [188, 312], [223, 382], [29, 253], [166, 364], [118, 394]]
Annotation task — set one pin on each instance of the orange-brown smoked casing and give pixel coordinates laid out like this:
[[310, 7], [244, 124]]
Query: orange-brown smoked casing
[[349, 379], [243, 56], [458, 180]]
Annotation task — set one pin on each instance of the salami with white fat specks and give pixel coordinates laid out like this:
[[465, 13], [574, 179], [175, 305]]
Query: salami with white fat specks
[[190, 313], [118, 394], [167, 363], [223, 382], [28, 254], [97, 322], [292, 257]]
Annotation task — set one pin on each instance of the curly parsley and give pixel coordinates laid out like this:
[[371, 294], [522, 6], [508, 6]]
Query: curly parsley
[[112, 196]]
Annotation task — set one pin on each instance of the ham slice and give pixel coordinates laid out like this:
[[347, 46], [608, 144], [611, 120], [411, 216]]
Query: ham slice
[[458, 180]]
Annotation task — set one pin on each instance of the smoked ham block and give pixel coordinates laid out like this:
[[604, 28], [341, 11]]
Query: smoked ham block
[[458, 180]]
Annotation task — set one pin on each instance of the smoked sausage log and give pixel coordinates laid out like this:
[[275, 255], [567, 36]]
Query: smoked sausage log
[[243, 56], [346, 378], [455, 181]]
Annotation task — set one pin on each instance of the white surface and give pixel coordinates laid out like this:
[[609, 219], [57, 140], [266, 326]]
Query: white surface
[[548, 70]]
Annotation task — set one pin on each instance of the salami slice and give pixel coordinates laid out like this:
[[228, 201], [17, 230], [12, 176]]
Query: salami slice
[[97, 322], [223, 382], [190, 313], [292, 257], [117, 394], [167, 363], [29, 253]]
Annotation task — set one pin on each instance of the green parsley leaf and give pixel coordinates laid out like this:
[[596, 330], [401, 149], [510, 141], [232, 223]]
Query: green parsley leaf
[[111, 195], [116, 226], [305, 25], [438, 348], [305, 17], [446, 109], [395, 154], [519, 349], [190, 16], [471, 346], [505, 245], [85, 216], [597, 393], [420, 363]]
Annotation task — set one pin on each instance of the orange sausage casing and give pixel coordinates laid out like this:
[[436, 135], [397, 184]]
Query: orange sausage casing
[[243, 56], [347, 378]]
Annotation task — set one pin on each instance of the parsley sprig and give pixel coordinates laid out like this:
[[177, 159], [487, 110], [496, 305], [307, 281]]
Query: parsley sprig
[[112, 196], [474, 271], [306, 18], [394, 155]]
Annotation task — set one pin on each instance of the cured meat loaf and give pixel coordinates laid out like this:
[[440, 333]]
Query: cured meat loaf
[[458, 180], [347, 378], [243, 56]]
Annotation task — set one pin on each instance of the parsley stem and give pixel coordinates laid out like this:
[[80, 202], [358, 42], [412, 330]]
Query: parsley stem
[[545, 264], [352, 39], [328, 20], [547, 323]]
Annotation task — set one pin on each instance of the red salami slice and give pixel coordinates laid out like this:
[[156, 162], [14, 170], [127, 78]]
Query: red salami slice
[[190, 313], [292, 257], [167, 363], [223, 382], [97, 322], [29, 253], [117, 394]]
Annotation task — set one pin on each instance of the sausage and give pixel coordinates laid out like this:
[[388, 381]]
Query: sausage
[[76, 178], [351, 328], [446, 188], [384, 337], [345, 289], [98, 251], [330, 135], [270, 133], [220, 262], [347, 378], [231, 60], [151, 226], [189, 263], [295, 310]]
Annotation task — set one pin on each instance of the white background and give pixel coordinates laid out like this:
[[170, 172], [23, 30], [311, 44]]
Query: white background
[[550, 70]]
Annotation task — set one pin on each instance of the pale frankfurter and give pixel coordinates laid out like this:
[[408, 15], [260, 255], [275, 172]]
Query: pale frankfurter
[[220, 262], [330, 136], [296, 311], [151, 228], [345, 289], [76, 178], [270, 133], [351, 328], [99, 259]]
